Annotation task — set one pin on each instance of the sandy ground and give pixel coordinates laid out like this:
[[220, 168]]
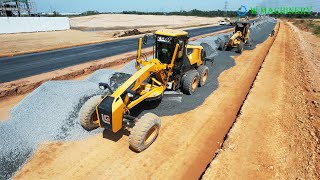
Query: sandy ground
[[12, 44], [277, 135], [6, 104], [30, 42], [186, 144], [127, 21]]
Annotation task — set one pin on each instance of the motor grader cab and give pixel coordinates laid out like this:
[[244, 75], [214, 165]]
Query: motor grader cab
[[189, 57], [240, 37], [175, 65]]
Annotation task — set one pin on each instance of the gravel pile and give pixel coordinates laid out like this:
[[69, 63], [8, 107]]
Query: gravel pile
[[211, 44], [47, 114]]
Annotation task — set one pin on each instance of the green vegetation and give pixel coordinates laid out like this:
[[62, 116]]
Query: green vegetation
[[309, 25], [314, 15], [220, 13], [194, 12], [88, 13], [315, 28], [55, 13]]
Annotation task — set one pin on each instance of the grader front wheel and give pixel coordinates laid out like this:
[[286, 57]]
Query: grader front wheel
[[240, 47], [145, 132], [88, 116]]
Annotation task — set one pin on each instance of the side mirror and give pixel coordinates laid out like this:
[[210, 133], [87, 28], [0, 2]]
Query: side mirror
[[104, 86], [180, 45], [145, 39]]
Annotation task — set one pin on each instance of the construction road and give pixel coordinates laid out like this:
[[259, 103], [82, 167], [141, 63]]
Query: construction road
[[17, 67], [193, 127]]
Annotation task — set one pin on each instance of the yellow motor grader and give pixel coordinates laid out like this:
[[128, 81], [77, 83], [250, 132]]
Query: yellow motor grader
[[176, 65], [240, 37]]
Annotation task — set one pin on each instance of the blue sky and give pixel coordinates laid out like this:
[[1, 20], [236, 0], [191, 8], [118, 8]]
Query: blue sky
[[162, 5]]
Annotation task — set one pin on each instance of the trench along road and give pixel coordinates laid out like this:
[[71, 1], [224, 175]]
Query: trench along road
[[186, 144], [275, 136]]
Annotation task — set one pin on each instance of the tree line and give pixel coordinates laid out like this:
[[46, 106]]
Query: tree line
[[194, 12]]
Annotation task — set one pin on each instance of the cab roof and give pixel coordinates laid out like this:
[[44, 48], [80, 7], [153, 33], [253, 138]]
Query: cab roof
[[243, 22], [171, 32]]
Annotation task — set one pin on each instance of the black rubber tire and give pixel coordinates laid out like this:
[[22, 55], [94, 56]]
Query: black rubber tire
[[88, 113], [140, 133], [249, 41], [240, 47], [203, 72], [222, 46], [188, 84]]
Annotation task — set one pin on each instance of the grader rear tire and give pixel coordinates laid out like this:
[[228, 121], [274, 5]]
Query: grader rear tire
[[204, 72], [249, 41], [190, 82], [222, 46], [88, 114], [240, 47], [145, 132]]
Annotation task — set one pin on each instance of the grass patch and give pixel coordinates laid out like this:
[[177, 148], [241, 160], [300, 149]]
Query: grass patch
[[316, 30], [311, 24], [308, 25]]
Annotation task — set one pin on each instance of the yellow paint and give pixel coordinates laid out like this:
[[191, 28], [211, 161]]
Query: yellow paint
[[195, 56], [171, 32]]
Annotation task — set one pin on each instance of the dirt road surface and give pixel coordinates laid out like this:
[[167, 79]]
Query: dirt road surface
[[185, 147], [128, 21], [277, 133]]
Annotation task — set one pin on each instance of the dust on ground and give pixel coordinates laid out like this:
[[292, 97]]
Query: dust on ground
[[276, 135]]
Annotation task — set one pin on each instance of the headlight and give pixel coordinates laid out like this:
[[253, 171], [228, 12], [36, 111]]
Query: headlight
[[102, 87]]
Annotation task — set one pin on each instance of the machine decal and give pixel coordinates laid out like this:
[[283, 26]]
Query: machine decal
[[164, 39], [106, 119]]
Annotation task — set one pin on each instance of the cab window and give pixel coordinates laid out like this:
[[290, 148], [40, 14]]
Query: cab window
[[189, 51]]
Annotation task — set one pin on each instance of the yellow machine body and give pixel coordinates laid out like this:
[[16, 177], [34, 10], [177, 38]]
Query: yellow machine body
[[240, 34], [196, 56], [151, 79]]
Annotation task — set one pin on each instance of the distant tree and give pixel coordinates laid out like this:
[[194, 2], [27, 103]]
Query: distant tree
[[194, 12], [88, 13], [55, 14], [219, 13]]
